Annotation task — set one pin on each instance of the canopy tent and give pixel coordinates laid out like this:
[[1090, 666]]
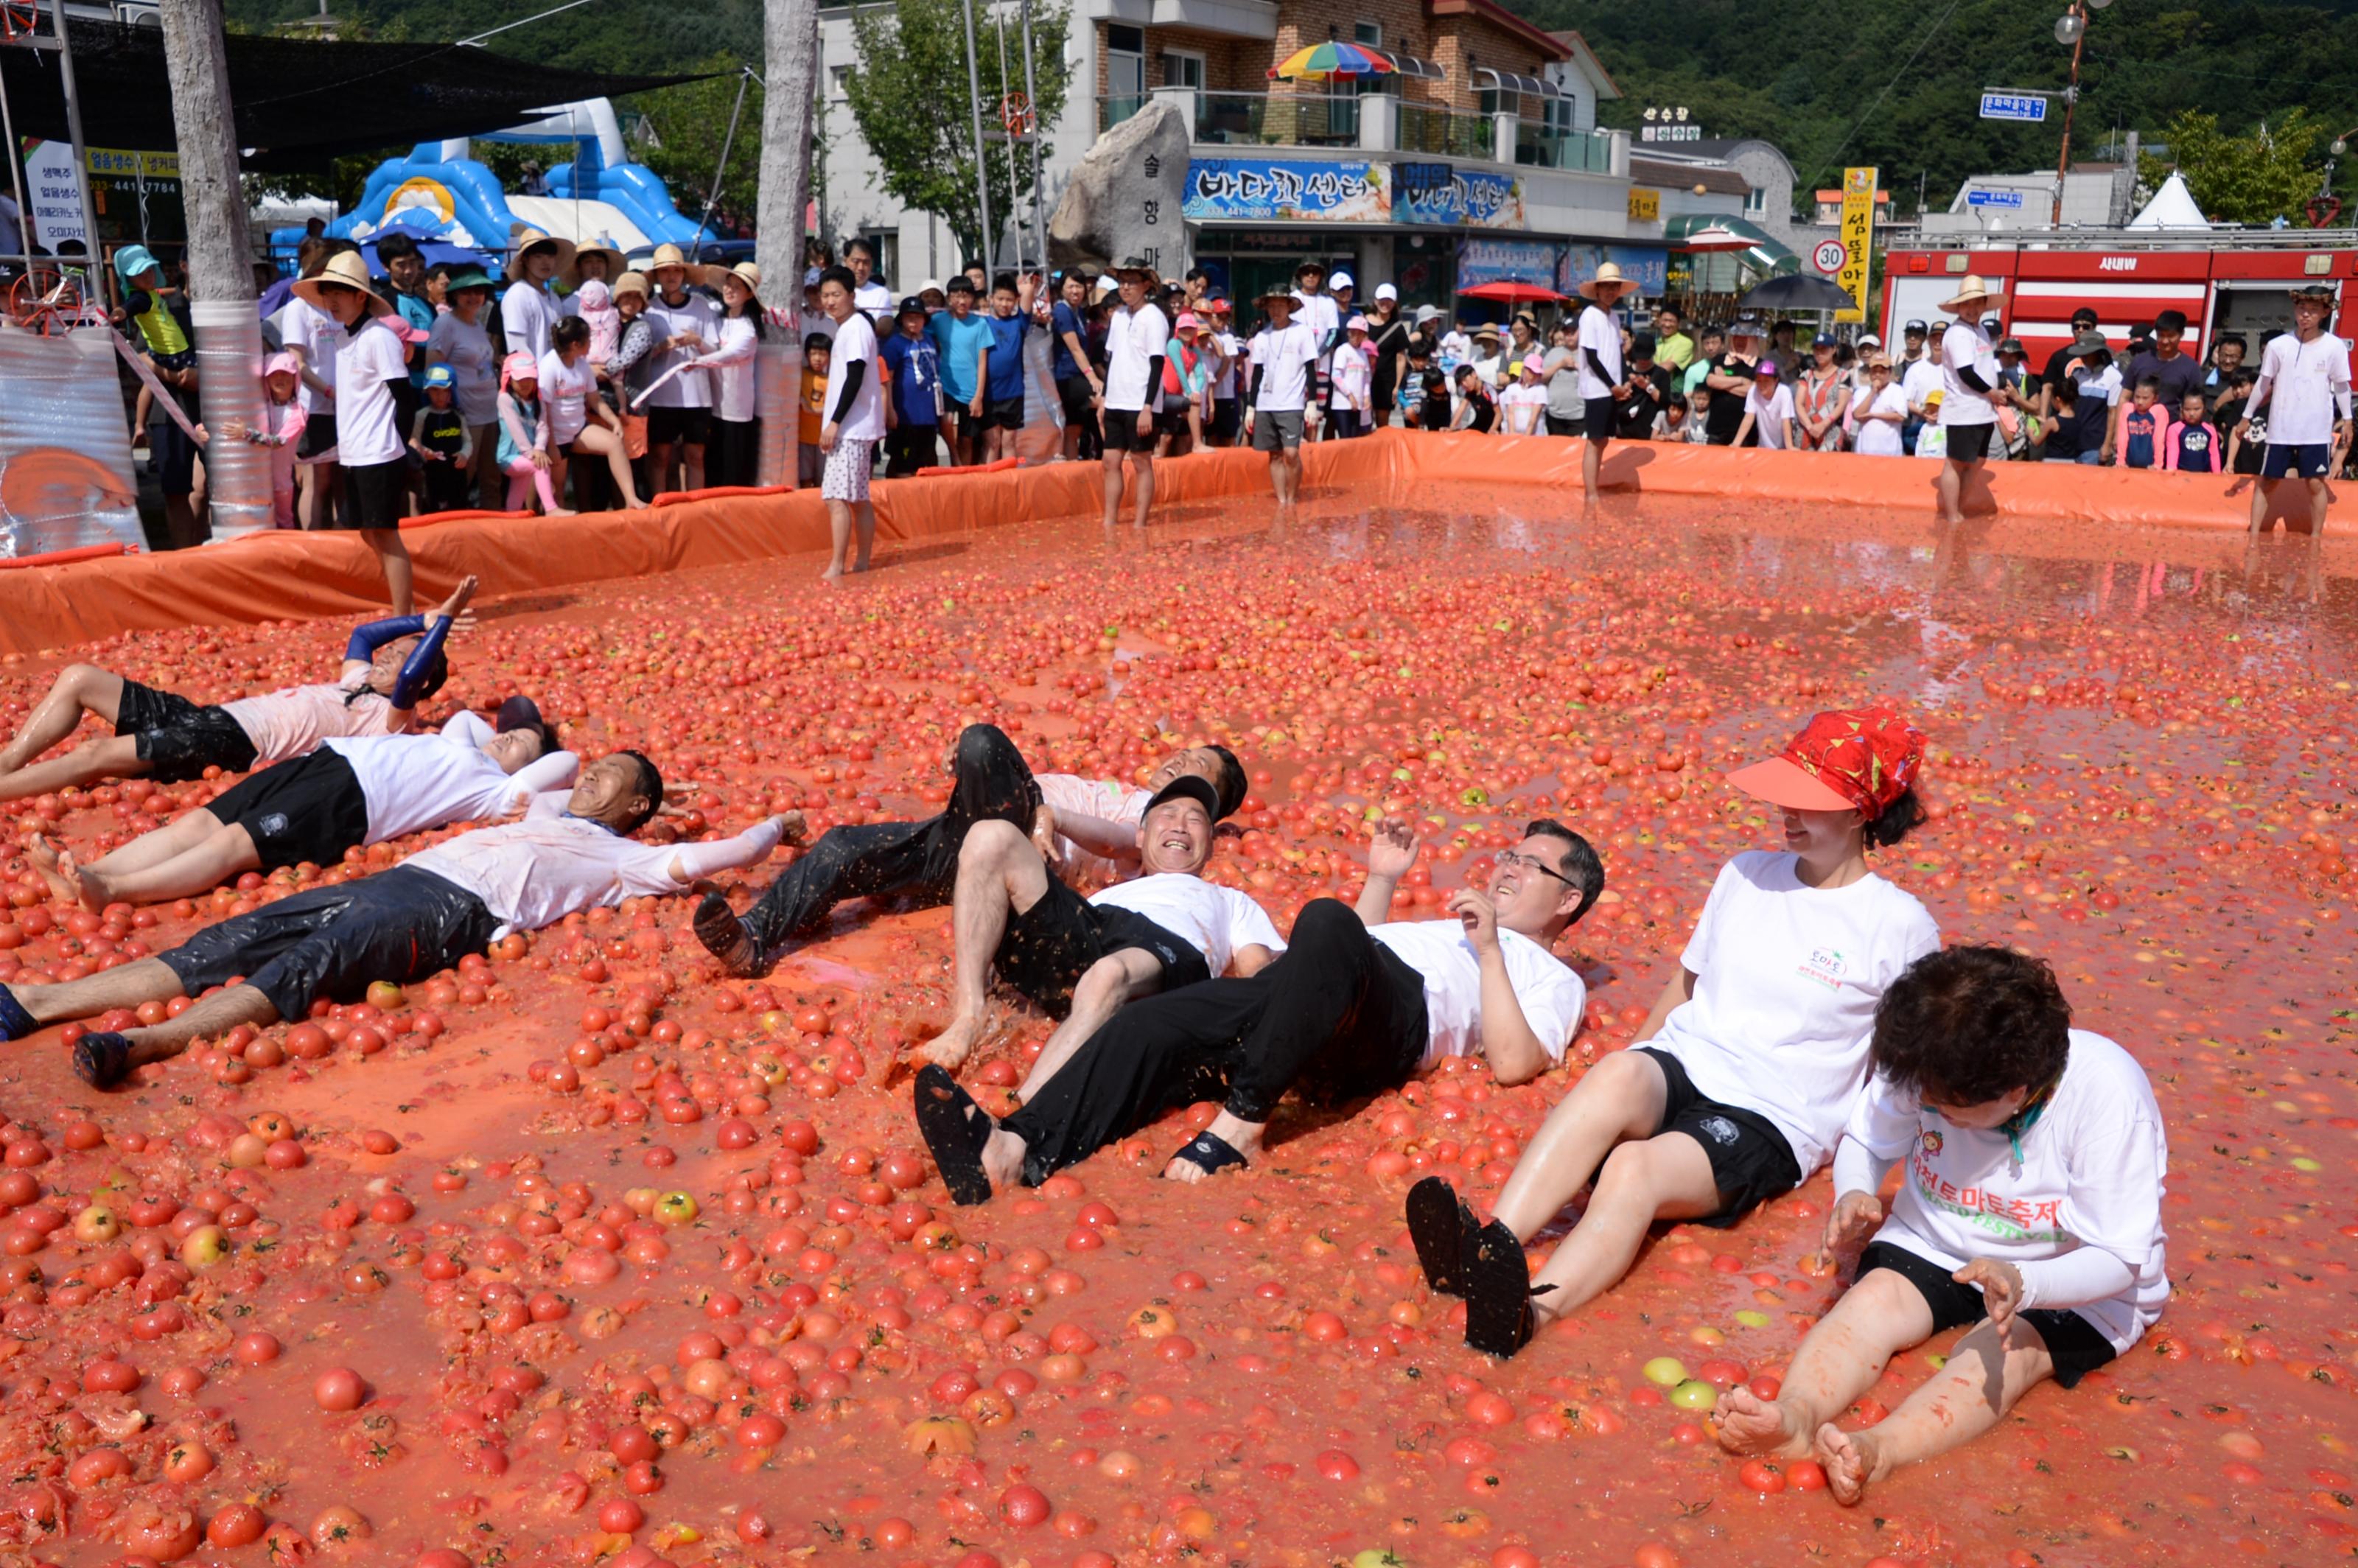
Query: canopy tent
[[1489, 78], [2172, 207], [1724, 234], [299, 101]]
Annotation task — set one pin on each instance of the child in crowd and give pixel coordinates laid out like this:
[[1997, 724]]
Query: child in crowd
[[2191, 444], [1349, 383], [1698, 425], [525, 445], [282, 423], [1433, 409], [440, 442], [810, 463], [2142, 425], [1768, 410], [2247, 438], [1523, 408]]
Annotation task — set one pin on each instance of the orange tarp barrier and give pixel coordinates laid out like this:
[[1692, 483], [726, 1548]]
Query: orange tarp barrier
[[284, 575]]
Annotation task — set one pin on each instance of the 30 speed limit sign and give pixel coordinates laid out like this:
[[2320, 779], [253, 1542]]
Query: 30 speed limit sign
[[1830, 256]]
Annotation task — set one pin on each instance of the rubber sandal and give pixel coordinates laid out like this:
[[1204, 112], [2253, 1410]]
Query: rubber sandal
[[102, 1060], [723, 934], [1441, 1227], [1499, 1317], [16, 1023], [954, 1129], [1209, 1154]]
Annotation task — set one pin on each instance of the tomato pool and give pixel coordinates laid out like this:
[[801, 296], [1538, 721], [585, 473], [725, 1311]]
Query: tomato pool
[[583, 1253]]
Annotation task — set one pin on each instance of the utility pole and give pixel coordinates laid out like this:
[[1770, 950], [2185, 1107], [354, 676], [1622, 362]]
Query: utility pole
[[221, 264], [789, 85], [981, 154], [2071, 28]]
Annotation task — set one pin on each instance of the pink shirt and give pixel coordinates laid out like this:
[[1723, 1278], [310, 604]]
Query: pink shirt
[[292, 723], [1108, 800]]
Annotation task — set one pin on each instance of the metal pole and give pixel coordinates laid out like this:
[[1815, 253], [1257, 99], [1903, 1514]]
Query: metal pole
[[2071, 103], [981, 157], [1014, 180], [1032, 96], [726, 142], [25, 214], [80, 158]]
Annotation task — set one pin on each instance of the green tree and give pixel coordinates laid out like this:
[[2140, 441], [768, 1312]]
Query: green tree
[[908, 99], [2241, 179], [689, 125]]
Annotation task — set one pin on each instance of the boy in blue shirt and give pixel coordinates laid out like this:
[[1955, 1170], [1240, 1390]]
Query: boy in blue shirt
[[912, 419], [1003, 413], [963, 340]]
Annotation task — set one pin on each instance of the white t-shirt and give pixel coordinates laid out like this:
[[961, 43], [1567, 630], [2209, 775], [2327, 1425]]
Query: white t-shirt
[[367, 430], [1877, 438], [1964, 347], [2103, 385], [1224, 385], [855, 341], [2079, 1214], [302, 325], [696, 314], [551, 864], [415, 781], [567, 391], [731, 369], [466, 347], [873, 296], [1132, 338], [1319, 313], [1771, 414], [1346, 377], [1920, 381], [1214, 920], [1787, 978], [2298, 385], [1108, 800], [1523, 407], [1598, 333], [527, 315], [1284, 357], [1548, 990]]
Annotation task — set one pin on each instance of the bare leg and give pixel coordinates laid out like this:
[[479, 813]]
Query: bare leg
[[1277, 477], [1841, 1359], [1143, 492], [1242, 1136], [1591, 459], [394, 557], [692, 463], [1112, 485], [1951, 487], [79, 689], [864, 515], [839, 524], [1111, 981], [659, 456], [1983, 1378], [1666, 1177], [1618, 1100], [2316, 508], [999, 872], [215, 1015], [207, 865], [150, 849], [116, 757], [126, 985], [597, 439], [2261, 489]]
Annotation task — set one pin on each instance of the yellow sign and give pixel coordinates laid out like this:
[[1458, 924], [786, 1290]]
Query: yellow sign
[[1858, 240], [1645, 206], [121, 164]]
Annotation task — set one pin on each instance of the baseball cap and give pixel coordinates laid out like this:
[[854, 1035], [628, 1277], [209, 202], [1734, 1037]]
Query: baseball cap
[[1187, 786], [1340, 280], [133, 262], [1916, 327], [1767, 370], [1823, 340], [519, 366], [436, 375], [1748, 327], [1385, 291], [1869, 340], [1187, 322], [913, 305], [1219, 307], [1859, 759], [1356, 324], [1427, 313]]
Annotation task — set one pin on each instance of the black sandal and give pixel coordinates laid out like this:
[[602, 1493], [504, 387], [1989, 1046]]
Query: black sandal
[[954, 1129], [16, 1023], [102, 1060], [1498, 1317], [1209, 1154], [725, 938], [1443, 1227]]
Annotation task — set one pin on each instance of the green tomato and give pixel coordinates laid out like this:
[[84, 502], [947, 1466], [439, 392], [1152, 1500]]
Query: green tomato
[[1694, 1394], [1377, 1557], [1667, 1371], [1752, 1317], [677, 1208]]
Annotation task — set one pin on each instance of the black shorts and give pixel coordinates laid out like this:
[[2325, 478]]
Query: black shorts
[[399, 926], [177, 739], [1227, 420], [318, 436], [1048, 947], [375, 495], [1073, 392], [172, 454], [2076, 1346], [1750, 1161], [1969, 443], [1121, 435], [1596, 418], [309, 809], [1003, 413], [1559, 425], [1173, 421], [668, 426]]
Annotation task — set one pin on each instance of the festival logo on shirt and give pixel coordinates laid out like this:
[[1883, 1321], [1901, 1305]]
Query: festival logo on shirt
[[1826, 966], [2010, 1219], [1931, 1144]]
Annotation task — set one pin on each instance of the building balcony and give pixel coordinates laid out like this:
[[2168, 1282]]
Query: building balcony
[[1375, 123]]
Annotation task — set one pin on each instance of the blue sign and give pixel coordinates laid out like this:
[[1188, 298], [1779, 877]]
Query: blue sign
[[1993, 198], [2030, 107], [1506, 261], [1255, 190], [1459, 197], [1649, 265]]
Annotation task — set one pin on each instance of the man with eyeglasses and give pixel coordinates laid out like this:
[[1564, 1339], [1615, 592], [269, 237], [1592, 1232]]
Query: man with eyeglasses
[[1355, 1004]]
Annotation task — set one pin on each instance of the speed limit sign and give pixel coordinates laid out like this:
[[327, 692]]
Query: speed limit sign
[[1830, 256]]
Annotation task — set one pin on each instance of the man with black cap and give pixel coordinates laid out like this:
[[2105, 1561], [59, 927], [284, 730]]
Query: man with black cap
[[1317, 309], [1138, 336], [1080, 959], [913, 423], [2304, 386], [1087, 829], [2059, 364], [1650, 392]]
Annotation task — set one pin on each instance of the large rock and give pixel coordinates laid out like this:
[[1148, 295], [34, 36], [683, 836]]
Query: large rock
[[1126, 197]]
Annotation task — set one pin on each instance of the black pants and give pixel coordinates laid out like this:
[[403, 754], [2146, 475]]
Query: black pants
[[732, 453], [919, 857], [911, 449], [1335, 1011]]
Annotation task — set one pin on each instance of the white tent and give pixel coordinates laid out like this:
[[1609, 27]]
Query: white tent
[[2172, 207]]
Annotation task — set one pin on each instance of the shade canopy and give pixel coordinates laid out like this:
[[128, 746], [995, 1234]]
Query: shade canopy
[[2172, 207], [1507, 292], [301, 102], [1513, 81], [1324, 62], [1798, 291], [1706, 232]]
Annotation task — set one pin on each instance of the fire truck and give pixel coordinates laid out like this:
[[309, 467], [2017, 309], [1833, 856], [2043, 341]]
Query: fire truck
[[2238, 281]]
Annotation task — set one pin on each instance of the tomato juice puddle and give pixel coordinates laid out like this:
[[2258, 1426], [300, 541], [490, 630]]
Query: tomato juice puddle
[[632, 1262]]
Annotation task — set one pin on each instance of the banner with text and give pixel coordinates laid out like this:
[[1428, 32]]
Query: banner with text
[[1507, 261], [1650, 265], [1858, 240], [1460, 198], [1254, 190]]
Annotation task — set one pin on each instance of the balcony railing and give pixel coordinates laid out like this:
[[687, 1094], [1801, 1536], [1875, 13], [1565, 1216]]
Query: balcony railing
[[1114, 108], [1588, 151], [1423, 128], [1277, 119]]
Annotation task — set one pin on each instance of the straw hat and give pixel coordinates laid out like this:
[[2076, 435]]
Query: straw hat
[[616, 263], [667, 256], [1969, 288], [743, 272], [630, 283], [347, 268], [1608, 275], [526, 240]]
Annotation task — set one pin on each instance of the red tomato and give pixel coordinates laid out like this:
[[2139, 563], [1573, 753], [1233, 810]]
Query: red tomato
[[339, 1389]]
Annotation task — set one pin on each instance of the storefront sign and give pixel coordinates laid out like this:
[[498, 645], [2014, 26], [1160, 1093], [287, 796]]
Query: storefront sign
[[1287, 191], [1858, 240], [1458, 197], [1534, 262], [1645, 206], [1650, 265], [136, 195]]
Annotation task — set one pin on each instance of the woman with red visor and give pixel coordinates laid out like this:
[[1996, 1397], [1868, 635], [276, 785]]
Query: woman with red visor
[[1747, 1068]]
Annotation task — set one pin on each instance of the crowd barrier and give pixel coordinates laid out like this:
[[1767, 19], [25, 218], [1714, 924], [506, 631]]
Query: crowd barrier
[[296, 576]]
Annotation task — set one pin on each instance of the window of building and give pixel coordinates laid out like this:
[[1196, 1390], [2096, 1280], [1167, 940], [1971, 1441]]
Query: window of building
[[1756, 201], [1369, 33], [1125, 64], [886, 243], [1182, 68], [839, 79]]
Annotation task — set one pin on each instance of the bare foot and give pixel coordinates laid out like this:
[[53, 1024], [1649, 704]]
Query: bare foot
[[834, 573], [637, 506], [1849, 1461], [45, 858], [89, 889], [1003, 1159], [1750, 1424], [951, 1048]]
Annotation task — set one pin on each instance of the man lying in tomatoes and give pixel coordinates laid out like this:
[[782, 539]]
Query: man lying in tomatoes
[[1087, 829], [570, 852], [2031, 1158], [1354, 1005], [390, 667]]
